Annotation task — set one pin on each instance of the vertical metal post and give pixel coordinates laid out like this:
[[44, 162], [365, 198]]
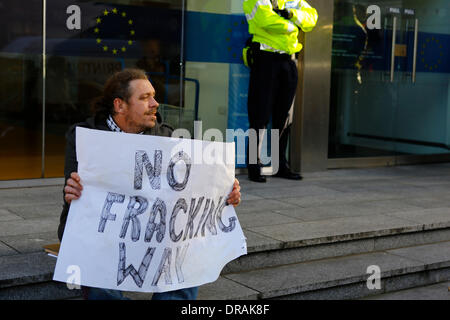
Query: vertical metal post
[[309, 131], [183, 8], [416, 33], [44, 50], [394, 34]]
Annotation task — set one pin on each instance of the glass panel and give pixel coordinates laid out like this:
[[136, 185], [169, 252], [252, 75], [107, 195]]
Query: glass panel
[[362, 96], [423, 106], [378, 111], [217, 92], [112, 35], [20, 89]]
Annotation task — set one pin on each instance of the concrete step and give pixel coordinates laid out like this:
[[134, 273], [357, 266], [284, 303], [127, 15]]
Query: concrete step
[[438, 291], [304, 241], [28, 276], [337, 278]]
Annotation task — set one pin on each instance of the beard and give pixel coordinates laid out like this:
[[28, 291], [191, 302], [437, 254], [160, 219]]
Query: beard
[[141, 125]]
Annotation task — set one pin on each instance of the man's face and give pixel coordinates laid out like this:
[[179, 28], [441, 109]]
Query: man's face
[[140, 113]]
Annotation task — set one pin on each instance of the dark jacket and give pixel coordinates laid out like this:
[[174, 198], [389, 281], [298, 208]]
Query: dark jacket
[[71, 164]]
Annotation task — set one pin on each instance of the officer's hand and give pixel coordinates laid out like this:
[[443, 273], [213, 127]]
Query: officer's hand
[[234, 197], [285, 13], [73, 188]]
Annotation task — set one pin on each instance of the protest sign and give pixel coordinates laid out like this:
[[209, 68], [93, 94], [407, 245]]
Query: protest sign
[[152, 216]]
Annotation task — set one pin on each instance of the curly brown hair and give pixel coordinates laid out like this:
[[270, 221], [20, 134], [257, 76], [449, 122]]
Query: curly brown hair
[[117, 86]]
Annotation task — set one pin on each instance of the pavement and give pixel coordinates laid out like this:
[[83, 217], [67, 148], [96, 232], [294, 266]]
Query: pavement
[[326, 204]]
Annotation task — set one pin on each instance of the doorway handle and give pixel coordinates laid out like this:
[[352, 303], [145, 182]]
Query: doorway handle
[[394, 33], [416, 33]]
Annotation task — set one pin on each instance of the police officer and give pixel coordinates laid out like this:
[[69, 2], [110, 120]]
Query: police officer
[[274, 25]]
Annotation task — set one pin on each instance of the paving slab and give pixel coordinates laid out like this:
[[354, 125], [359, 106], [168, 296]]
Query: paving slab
[[351, 186], [443, 189], [28, 243], [30, 183], [32, 211], [245, 196], [226, 289], [6, 215], [272, 181], [398, 189], [288, 192], [441, 180], [337, 229], [29, 226], [258, 219], [347, 210], [6, 250], [36, 195], [261, 205], [338, 197], [428, 202], [323, 212], [433, 218]]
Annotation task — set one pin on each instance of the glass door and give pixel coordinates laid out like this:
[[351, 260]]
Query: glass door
[[390, 84], [422, 77], [363, 97]]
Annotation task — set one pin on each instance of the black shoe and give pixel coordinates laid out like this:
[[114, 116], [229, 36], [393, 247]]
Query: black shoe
[[257, 178], [287, 174], [254, 173]]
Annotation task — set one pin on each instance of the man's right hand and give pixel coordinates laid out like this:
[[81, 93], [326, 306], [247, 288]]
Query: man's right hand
[[73, 188]]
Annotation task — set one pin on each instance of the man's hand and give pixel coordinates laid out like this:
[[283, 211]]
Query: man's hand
[[234, 197], [73, 188]]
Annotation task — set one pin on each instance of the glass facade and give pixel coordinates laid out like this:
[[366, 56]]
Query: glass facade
[[21, 89], [192, 50], [216, 32], [85, 42], [109, 36], [390, 84]]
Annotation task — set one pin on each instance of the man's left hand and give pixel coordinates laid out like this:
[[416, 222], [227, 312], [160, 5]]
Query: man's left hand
[[234, 198]]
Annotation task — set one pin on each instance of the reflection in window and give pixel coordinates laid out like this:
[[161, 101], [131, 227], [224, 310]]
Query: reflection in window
[[20, 89]]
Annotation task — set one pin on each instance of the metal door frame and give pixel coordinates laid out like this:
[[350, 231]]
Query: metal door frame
[[309, 132], [310, 128]]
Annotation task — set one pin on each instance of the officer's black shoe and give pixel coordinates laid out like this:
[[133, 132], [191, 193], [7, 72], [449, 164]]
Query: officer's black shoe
[[254, 173], [288, 174], [257, 178]]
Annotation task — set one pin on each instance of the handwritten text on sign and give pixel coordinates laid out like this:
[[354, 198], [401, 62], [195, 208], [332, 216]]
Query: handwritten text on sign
[[149, 219]]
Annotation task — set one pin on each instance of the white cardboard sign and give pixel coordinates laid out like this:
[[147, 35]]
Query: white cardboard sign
[[152, 215]]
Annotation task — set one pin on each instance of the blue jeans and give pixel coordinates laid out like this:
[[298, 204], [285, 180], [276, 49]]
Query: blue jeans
[[90, 293]]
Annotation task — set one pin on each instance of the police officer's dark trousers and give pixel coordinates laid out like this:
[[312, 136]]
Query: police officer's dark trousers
[[273, 82]]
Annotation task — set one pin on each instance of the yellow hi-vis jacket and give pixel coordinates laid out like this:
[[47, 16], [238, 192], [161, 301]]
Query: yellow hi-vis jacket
[[275, 32]]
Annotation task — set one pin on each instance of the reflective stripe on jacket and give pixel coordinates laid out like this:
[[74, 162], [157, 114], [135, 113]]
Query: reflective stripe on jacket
[[268, 28]]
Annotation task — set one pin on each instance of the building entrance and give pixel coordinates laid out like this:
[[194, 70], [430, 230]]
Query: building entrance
[[390, 80]]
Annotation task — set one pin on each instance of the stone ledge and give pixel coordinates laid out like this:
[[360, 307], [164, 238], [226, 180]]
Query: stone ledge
[[315, 233], [327, 273], [21, 269]]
